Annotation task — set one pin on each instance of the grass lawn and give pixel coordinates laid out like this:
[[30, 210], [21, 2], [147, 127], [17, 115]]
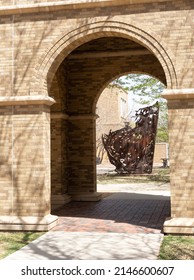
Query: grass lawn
[[157, 175], [13, 241], [177, 248]]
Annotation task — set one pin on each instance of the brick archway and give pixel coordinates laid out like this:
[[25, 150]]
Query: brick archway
[[75, 88], [32, 64], [64, 172], [65, 44], [80, 120]]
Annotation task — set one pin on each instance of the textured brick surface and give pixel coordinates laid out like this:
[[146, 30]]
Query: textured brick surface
[[41, 54], [126, 216], [108, 108], [25, 167], [182, 160]]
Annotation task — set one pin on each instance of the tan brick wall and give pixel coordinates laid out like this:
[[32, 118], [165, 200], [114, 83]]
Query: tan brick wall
[[34, 62], [25, 165], [181, 160], [82, 155], [109, 116], [6, 177], [160, 152], [59, 172], [108, 110]]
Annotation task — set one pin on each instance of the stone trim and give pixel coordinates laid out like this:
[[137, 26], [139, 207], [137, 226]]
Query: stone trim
[[83, 117], [59, 116], [74, 117], [100, 54], [28, 222], [174, 94], [179, 226], [86, 196], [67, 5], [26, 100]]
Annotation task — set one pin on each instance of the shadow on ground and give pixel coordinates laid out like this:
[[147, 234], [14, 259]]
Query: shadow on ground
[[117, 212], [120, 226]]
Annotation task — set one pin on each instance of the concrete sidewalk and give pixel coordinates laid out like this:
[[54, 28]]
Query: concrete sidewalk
[[124, 225], [59, 245]]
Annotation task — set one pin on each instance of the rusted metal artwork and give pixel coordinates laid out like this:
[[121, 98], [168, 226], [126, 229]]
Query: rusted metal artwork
[[131, 150]]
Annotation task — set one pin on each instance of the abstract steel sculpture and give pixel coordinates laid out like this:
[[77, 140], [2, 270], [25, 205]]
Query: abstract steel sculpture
[[131, 150]]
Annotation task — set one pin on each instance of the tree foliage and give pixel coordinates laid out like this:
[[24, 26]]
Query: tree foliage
[[147, 91]]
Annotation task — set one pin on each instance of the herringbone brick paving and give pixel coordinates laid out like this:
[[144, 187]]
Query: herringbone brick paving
[[114, 215]]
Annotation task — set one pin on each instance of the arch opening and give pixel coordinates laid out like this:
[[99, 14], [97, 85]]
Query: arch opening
[[76, 87], [116, 109]]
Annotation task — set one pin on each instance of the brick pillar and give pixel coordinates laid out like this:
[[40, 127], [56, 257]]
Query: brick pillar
[[59, 167], [82, 158], [181, 143], [25, 157]]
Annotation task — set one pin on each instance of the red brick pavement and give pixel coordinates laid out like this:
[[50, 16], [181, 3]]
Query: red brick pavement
[[119, 216]]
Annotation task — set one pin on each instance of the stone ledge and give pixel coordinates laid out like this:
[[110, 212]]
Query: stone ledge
[[63, 116], [179, 226], [26, 100], [57, 115], [176, 94], [30, 223], [83, 117], [67, 5]]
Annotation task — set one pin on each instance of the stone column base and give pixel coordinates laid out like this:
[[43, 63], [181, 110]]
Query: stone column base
[[86, 196], [28, 223], [179, 226], [59, 200]]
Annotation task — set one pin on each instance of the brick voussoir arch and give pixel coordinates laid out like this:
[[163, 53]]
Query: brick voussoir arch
[[47, 65]]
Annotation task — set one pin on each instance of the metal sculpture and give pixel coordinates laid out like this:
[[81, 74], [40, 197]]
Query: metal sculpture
[[131, 150]]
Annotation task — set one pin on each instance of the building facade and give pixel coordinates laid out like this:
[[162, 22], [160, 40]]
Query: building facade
[[112, 113], [56, 57], [112, 110]]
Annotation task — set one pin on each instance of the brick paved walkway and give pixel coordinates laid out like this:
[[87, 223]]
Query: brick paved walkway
[[114, 215], [124, 225]]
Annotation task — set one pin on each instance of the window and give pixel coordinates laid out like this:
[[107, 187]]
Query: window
[[123, 108]]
